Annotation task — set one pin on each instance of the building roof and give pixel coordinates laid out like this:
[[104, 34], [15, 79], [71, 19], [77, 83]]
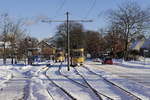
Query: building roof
[[141, 43], [45, 44]]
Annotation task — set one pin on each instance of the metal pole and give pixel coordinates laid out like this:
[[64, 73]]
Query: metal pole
[[68, 42]]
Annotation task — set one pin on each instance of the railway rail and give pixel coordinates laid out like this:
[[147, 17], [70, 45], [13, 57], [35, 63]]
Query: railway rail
[[50, 94], [141, 79], [78, 84], [67, 94], [47, 89], [136, 79], [94, 90], [85, 84], [70, 78], [46, 68], [113, 84], [98, 94]]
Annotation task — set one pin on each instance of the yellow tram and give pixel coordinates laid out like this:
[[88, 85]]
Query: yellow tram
[[59, 56], [77, 56]]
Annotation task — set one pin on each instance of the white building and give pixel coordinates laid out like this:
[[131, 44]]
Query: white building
[[7, 44]]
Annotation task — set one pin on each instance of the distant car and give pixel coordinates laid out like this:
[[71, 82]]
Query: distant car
[[107, 60], [97, 60]]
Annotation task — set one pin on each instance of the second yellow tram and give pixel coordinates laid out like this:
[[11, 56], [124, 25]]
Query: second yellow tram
[[59, 56]]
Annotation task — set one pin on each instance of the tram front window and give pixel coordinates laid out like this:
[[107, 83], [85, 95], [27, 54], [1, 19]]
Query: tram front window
[[58, 55], [77, 54]]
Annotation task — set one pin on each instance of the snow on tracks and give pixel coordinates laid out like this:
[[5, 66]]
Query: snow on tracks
[[105, 86], [75, 89], [60, 91], [115, 85]]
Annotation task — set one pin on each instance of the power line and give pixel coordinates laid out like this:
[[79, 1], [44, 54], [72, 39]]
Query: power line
[[49, 21], [56, 12], [60, 7], [99, 15], [90, 9]]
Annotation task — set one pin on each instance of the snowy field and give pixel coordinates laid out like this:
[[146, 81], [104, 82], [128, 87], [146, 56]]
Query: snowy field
[[93, 81]]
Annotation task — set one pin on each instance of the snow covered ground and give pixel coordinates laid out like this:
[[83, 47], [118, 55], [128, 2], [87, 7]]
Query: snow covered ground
[[131, 76], [91, 82]]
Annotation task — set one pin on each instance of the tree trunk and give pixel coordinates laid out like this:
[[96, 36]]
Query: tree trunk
[[4, 54], [126, 45]]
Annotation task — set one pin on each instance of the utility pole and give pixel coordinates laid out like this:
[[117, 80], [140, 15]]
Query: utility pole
[[68, 42], [68, 35]]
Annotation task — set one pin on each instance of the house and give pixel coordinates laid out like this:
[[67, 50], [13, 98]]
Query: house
[[142, 45], [47, 50], [7, 44], [138, 44], [7, 48], [145, 48]]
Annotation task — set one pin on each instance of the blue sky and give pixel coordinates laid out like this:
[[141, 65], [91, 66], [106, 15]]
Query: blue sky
[[32, 10]]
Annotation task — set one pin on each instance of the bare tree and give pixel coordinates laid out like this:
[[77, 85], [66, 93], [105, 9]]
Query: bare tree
[[15, 35], [131, 19], [94, 43], [11, 32], [5, 29], [114, 41], [76, 31]]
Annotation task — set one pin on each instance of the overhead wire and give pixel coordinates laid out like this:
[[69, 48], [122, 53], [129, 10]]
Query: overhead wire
[[100, 14], [62, 4], [40, 18], [90, 9], [60, 7]]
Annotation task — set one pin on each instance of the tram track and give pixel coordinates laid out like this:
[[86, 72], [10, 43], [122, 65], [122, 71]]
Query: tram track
[[115, 85], [83, 87], [70, 78], [129, 75], [98, 94], [85, 84], [47, 89], [65, 92], [50, 94], [45, 70], [133, 78], [94, 90]]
